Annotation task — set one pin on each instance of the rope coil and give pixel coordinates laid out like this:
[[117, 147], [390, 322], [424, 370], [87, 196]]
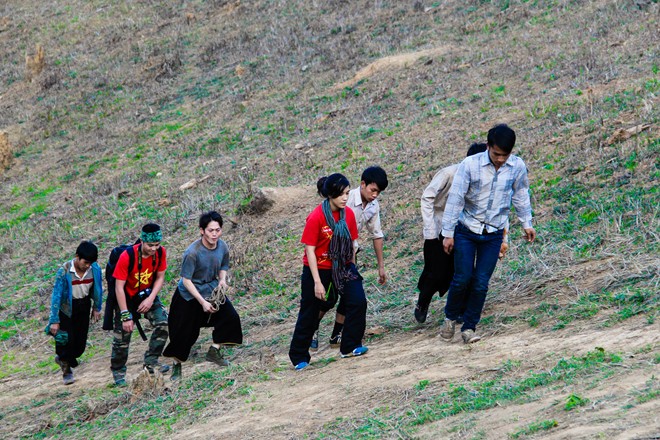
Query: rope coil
[[218, 297]]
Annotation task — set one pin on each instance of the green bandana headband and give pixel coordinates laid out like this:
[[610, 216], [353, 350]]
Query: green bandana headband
[[151, 237]]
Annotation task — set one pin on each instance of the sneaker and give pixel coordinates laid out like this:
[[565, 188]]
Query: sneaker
[[335, 341], [315, 341], [356, 352], [448, 329], [215, 355], [301, 366], [121, 382], [67, 378], [161, 368], [176, 372], [420, 314], [470, 336]]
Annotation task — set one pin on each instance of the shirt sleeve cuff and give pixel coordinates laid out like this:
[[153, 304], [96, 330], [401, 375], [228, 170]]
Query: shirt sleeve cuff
[[447, 234], [430, 234], [527, 224]]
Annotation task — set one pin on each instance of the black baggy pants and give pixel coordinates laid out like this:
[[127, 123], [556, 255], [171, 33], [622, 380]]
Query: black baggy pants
[[355, 303], [77, 326], [437, 273], [187, 318]]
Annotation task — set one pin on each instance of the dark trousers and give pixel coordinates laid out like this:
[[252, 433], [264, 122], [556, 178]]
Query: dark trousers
[[475, 257], [186, 319], [437, 274], [355, 304], [77, 326]]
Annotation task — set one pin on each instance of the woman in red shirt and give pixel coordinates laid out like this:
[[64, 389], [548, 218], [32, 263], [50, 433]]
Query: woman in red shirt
[[329, 270]]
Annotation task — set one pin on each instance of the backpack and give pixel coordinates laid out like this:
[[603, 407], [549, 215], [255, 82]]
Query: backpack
[[113, 258]]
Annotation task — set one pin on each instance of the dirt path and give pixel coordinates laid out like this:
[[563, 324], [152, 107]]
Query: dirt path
[[295, 404]]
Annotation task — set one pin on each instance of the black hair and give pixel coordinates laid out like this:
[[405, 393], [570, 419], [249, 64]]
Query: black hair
[[502, 136], [332, 186], [208, 217], [375, 175], [150, 227], [476, 148], [87, 251]]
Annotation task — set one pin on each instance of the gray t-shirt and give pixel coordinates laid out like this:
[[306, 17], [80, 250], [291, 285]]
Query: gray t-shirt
[[202, 266]]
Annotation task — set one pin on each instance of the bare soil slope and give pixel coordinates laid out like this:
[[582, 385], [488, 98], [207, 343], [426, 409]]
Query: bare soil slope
[[111, 108]]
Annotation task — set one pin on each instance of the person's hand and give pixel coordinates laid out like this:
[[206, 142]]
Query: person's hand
[[382, 278], [128, 326], [530, 234], [503, 249], [96, 315], [319, 290], [54, 328], [448, 244], [145, 305], [223, 283], [207, 306]]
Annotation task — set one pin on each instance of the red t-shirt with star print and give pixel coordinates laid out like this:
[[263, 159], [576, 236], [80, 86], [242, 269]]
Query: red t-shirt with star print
[[318, 233], [137, 280]]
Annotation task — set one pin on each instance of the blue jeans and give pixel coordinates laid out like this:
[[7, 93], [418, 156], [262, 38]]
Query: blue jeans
[[475, 257]]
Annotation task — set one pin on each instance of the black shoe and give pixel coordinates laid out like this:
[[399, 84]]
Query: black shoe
[[459, 320], [314, 346], [420, 314], [335, 341], [67, 378]]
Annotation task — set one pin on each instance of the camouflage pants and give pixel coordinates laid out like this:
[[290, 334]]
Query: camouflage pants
[[157, 317]]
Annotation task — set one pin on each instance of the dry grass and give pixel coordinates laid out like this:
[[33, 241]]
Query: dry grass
[[6, 151], [34, 64], [237, 96]]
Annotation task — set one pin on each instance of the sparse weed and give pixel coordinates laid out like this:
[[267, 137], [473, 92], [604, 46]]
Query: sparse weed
[[533, 428], [574, 401]]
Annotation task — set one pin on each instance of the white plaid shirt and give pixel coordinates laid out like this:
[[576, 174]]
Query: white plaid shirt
[[480, 197], [368, 218]]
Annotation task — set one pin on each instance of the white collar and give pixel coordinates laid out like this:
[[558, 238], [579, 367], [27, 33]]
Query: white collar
[[72, 269]]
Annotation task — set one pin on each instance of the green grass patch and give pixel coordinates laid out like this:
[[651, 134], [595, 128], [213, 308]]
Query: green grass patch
[[533, 428], [476, 396], [573, 401]]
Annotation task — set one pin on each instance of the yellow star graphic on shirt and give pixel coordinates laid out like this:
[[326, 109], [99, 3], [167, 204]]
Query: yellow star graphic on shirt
[[144, 278]]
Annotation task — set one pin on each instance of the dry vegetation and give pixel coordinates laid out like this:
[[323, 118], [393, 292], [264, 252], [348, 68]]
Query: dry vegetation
[[112, 108]]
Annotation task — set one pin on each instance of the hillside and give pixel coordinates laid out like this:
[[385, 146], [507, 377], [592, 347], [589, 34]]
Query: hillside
[[121, 103]]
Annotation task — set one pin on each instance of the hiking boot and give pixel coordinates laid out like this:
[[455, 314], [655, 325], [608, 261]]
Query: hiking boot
[[315, 341], [67, 378], [301, 366], [176, 372], [420, 314], [64, 365], [215, 355], [356, 352], [335, 341], [470, 336], [448, 329], [119, 378]]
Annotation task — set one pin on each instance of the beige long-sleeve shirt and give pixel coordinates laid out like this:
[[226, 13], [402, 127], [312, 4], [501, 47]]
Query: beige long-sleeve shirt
[[434, 200]]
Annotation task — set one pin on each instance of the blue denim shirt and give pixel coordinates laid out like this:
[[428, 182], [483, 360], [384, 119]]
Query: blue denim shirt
[[481, 196], [61, 299]]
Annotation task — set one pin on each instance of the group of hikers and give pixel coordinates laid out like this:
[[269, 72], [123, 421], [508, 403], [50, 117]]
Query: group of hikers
[[465, 212]]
